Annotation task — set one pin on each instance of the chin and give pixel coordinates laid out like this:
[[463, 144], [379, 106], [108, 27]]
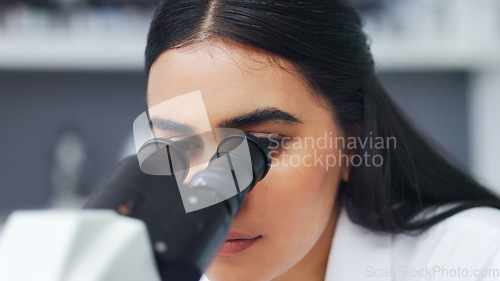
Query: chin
[[226, 268]]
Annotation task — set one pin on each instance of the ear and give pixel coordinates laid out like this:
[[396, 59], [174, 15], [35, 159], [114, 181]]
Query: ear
[[352, 135]]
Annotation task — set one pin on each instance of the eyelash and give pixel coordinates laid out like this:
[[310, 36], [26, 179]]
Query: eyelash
[[270, 141], [190, 145]]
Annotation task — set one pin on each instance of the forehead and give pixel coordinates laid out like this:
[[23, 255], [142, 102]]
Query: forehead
[[232, 79]]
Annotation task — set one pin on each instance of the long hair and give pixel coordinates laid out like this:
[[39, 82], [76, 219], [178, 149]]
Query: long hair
[[324, 41]]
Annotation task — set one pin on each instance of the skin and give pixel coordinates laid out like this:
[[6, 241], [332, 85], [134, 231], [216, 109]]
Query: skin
[[294, 207]]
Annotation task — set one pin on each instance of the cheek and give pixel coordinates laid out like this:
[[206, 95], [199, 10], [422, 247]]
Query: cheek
[[294, 202]]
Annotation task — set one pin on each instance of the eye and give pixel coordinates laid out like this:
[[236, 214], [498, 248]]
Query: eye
[[273, 141], [190, 145], [187, 145], [269, 144]]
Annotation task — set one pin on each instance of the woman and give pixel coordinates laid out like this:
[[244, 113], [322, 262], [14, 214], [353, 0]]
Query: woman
[[293, 71]]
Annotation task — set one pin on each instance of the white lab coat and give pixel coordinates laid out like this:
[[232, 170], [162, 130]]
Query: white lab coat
[[465, 246]]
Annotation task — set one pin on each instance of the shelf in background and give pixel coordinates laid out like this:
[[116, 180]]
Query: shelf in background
[[128, 54], [55, 54], [406, 35], [435, 55]]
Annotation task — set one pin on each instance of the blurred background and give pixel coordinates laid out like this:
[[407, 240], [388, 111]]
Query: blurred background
[[71, 84]]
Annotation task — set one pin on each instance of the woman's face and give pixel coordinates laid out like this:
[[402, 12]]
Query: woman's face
[[291, 213]]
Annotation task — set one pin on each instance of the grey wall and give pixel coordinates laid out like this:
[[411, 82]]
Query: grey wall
[[36, 106], [437, 104]]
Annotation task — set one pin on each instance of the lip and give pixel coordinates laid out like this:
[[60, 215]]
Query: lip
[[238, 242]]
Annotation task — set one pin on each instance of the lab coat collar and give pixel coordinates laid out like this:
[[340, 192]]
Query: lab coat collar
[[356, 252]]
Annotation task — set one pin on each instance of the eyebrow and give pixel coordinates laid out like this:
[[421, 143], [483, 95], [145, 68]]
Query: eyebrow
[[259, 116], [168, 125]]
